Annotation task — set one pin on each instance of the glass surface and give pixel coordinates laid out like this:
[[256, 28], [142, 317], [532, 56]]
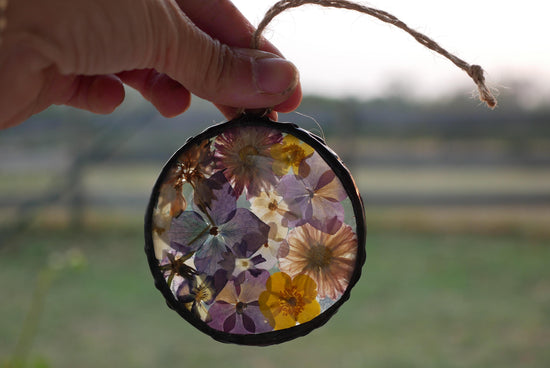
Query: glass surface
[[253, 231]]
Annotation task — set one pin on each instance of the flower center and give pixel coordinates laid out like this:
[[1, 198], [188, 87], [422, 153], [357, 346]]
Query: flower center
[[202, 293], [291, 302], [318, 257], [294, 153], [240, 307], [272, 206], [246, 153], [214, 231]]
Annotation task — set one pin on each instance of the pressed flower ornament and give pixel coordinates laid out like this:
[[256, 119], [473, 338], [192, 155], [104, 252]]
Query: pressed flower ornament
[[255, 230]]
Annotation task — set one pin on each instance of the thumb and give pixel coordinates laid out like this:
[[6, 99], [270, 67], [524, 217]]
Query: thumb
[[230, 76]]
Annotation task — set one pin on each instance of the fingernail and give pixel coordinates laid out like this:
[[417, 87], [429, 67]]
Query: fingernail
[[274, 75]]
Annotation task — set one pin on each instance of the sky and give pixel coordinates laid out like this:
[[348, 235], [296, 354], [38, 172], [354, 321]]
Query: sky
[[343, 53]]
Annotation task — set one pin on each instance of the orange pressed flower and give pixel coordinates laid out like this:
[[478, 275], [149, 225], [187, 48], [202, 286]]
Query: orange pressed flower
[[289, 301], [327, 259]]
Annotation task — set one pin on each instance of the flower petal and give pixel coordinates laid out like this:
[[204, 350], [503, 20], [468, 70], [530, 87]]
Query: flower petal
[[189, 230], [310, 311]]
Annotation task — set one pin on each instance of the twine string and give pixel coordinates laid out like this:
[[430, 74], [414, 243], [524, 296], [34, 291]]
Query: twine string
[[474, 71]]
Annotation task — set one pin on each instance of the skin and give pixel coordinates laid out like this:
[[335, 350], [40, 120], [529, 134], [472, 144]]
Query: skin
[[81, 53]]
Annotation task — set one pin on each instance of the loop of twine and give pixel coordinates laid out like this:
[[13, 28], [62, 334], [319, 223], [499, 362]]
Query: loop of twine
[[474, 71]]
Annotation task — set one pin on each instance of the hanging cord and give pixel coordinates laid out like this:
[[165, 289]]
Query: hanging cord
[[474, 71], [3, 18]]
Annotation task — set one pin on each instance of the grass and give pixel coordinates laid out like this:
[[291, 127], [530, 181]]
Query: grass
[[425, 300]]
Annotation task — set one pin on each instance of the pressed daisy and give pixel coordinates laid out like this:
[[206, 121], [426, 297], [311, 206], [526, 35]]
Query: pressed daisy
[[289, 154], [327, 259], [287, 301], [244, 156]]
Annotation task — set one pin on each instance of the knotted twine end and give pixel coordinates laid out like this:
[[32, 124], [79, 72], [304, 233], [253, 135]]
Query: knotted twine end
[[474, 71], [477, 74]]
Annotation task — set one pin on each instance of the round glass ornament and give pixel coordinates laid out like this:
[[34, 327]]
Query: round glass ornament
[[255, 231]]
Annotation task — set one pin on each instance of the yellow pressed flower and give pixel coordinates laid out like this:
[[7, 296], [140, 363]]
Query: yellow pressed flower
[[289, 154], [289, 301]]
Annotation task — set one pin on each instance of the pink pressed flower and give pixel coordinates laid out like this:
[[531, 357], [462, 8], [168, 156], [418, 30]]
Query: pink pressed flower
[[244, 156]]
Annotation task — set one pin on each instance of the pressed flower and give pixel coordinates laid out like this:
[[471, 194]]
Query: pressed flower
[[236, 309], [290, 154], [174, 264], [271, 209], [212, 230], [327, 259], [315, 198], [238, 260], [192, 167], [269, 251], [287, 301], [196, 294], [244, 156]]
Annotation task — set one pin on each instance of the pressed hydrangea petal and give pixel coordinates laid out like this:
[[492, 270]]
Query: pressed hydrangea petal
[[228, 294], [248, 323], [189, 229], [229, 323], [332, 190], [253, 286], [223, 202], [219, 312], [247, 227], [209, 255], [260, 321]]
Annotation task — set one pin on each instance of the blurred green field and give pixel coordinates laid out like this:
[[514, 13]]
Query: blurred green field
[[425, 300]]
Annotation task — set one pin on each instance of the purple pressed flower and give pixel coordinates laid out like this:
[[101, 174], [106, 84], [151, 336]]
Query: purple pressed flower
[[216, 226], [243, 258], [244, 156], [315, 198], [236, 309]]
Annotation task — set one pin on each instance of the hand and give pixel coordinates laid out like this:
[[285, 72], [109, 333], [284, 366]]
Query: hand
[[80, 52]]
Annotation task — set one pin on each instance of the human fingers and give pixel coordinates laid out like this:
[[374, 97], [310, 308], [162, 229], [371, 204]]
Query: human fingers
[[100, 94], [223, 21], [167, 95]]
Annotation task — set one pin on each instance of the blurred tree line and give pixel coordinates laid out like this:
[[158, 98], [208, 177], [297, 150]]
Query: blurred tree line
[[393, 117]]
